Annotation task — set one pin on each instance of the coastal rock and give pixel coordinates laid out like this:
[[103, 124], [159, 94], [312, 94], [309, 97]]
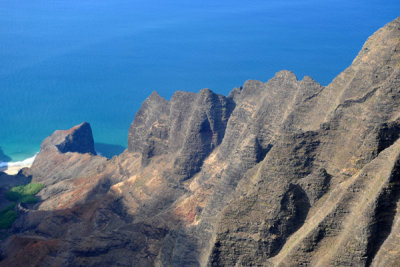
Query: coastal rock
[[77, 139], [65, 155], [282, 173]]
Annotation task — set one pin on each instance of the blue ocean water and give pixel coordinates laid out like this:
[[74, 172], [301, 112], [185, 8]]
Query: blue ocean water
[[67, 61]]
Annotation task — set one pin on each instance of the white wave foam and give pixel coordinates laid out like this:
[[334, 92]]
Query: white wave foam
[[24, 163]]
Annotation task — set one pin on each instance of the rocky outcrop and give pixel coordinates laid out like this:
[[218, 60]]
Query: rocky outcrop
[[77, 139], [65, 154], [187, 128], [282, 173], [148, 133], [64, 157]]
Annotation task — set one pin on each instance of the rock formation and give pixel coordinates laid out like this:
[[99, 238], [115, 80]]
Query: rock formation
[[9, 181], [282, 173]]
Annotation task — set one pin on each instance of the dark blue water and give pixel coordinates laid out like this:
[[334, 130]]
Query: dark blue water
[[67, 61]]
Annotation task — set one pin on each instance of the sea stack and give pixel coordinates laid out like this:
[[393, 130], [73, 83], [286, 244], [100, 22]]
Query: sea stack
[[279, 173]]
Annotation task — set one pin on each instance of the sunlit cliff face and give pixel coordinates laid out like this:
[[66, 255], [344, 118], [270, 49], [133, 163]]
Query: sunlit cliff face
[[282, 173]]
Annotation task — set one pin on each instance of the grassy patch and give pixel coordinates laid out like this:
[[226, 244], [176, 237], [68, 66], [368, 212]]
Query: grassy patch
[[18, 194], [24, 193], [8, 216]]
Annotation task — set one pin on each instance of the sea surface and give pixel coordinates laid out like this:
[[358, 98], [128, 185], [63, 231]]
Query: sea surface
[[67, 61]]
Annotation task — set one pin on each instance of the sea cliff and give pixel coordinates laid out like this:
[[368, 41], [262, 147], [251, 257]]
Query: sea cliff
[[280, 173]]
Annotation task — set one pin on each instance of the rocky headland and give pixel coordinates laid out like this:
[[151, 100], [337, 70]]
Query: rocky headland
[[282, 173]]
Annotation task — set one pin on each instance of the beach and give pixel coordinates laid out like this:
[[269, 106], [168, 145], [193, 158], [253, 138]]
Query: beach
[[13, 168]]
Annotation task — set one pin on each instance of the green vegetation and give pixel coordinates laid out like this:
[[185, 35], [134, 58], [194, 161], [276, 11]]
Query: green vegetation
[[8, 216], [24, 193], [18, 194]]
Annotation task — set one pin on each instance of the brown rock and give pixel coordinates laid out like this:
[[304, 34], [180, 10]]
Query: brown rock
[[283, 173]]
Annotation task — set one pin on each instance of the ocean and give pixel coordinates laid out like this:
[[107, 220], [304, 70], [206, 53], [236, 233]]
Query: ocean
[[63, 62]]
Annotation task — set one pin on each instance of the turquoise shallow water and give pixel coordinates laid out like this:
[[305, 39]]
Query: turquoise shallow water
[[64, 62]]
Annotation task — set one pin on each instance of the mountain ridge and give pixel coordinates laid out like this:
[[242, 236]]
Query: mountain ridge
[[282, 173]]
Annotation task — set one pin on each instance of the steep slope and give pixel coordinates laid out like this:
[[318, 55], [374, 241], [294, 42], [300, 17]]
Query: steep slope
[[282, 173], [302, 166]]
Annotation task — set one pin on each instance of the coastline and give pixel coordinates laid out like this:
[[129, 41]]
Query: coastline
[[12, 168]]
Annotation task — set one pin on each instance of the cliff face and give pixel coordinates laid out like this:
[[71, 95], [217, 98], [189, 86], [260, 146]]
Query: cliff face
[[188, 128], [283, 173]]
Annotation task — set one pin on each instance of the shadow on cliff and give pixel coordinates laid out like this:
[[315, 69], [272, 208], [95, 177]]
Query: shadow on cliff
[[108, 150], [384, 215], [133, 235], [43, 227], [4, 157], [151, 227]]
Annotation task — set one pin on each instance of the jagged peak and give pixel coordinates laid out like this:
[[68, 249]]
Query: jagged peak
[[298, 190], [77, 139], [206, 91], [250, 83], [154, 94], [252, 87], [286, 74], [308, 79], [80, 126], [207, 94], [155, 97]]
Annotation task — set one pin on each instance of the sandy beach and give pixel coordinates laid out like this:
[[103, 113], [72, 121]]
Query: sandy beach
[[13, 168]]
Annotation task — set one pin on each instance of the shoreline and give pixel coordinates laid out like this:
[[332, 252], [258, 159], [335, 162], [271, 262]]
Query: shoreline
[[12, 168]]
